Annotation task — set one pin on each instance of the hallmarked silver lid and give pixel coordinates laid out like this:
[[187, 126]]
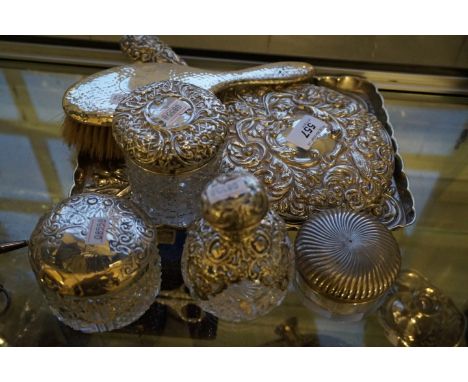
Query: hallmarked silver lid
[[92, 244], [347, 256], [170, 127]]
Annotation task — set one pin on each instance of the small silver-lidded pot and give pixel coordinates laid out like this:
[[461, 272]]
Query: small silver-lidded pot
[[346, 263], [96, 260], [418, 314], [172, 135]]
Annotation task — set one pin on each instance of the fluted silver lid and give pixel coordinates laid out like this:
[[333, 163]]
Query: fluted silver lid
[[347, 256], [170, 127]]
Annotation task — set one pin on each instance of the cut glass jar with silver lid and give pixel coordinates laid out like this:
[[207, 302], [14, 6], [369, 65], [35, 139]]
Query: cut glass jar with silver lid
[[419, 314], [238, 261], [172, 135], [346, 263], [96, 260]]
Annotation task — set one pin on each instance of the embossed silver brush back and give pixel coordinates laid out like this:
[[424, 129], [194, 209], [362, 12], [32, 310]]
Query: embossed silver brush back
[[349, 163], [345, 261], [237, 260], [96, 260]]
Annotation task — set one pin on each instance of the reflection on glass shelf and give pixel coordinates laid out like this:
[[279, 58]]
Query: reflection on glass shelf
[[63, 162], [46, 91], [422, 184], [8, 108], [16, 225], [434, 129], [21, 177]]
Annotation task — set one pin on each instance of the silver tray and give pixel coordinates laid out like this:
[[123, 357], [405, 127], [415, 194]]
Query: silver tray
[[109, 177]]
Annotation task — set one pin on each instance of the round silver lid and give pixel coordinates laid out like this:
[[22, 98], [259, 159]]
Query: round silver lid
[[234, 201], [347, 256], [170, 127], [91, 244]]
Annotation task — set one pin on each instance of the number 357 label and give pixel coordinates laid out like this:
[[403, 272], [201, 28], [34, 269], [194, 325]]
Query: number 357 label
[[306, 132]]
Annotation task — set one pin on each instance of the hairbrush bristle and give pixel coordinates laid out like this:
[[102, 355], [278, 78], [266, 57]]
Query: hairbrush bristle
[[95, 141]]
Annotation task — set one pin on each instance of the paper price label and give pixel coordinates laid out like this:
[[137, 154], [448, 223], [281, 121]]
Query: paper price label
[[231, 188], [173, 110], [306, 131], [97, 231]]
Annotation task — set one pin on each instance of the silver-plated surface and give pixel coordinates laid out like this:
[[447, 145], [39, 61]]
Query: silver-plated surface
[[399, 210], [241, 210], [349, 165], [398, 205], [347, 256], [419, 314], [241, 275], [95, 258], [94, 99], [147, 48], [185, 144]]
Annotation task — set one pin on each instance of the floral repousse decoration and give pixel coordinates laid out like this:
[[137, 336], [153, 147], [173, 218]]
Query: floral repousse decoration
[[352, 168], [214, 262], [161, 148]]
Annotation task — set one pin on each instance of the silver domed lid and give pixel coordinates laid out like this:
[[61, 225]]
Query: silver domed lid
[[170, 127], [91, 244], [347, 256], [234, 201]]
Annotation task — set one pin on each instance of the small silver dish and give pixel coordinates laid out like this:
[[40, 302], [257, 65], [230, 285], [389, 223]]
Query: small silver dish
[[419, 314]]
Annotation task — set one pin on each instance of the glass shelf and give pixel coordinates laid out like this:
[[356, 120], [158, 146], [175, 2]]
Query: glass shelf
[[36, 171]]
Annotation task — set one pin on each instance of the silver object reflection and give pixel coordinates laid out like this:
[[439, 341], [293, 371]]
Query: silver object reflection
[[92, 101], [346, 262], [419, 314], [95, 258]]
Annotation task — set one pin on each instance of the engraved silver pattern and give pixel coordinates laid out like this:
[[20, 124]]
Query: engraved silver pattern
[[159, 148], [350, 166], [147, 48]]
